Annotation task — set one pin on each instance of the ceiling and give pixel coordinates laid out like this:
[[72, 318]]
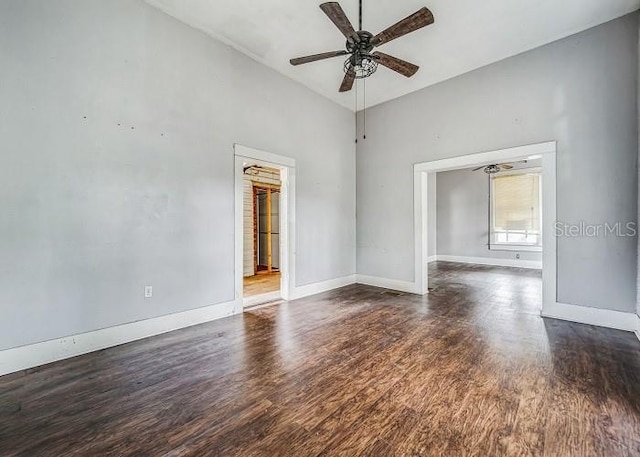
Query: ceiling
[[467, 34]]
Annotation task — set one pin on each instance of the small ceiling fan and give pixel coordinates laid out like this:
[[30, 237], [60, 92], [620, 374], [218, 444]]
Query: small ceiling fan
[[362, 61], [497, 167]]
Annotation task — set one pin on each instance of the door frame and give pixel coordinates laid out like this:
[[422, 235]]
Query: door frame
[[244, 155], [424, 195]]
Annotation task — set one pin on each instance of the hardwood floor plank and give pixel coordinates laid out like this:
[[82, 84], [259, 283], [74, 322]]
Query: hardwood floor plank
[[261, 283], [468, 370]]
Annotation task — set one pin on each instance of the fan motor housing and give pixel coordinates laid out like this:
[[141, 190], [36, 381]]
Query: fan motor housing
[[364, 46]]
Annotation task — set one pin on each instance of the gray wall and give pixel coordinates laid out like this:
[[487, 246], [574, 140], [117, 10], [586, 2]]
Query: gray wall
[[116, 169], [462, 216], [580, 91]]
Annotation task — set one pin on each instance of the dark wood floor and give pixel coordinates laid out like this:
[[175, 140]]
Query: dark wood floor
[[470, 370]]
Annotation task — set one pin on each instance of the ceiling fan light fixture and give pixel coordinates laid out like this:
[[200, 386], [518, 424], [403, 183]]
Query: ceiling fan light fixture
[[362, 69], [492, 169], [362, 61]]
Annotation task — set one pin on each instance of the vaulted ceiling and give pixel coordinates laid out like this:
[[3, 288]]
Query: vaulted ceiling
[[467, 34]]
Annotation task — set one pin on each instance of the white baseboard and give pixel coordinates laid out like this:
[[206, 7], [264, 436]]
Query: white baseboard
[[592, 316], [432, 258], [531, 264], [385, 283], [638, 326], [33, 355], [323, 286]]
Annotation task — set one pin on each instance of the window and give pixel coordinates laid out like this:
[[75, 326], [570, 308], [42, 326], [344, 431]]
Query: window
[[516, 211]]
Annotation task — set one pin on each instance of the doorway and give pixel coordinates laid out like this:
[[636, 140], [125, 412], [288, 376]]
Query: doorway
[[264, 227], [425, 203], [261, 233], [487, 235]]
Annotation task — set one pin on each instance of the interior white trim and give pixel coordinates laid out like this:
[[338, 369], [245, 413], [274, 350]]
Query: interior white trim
[[287, 167], [33, 355], [385, 283], [261, 299], [530, 152], [592, 316], [514, 247], [323, 286], [638, 326], [263, 156], [263, 305], [546, 151], [549, 217], [517, 263], [420, 229]]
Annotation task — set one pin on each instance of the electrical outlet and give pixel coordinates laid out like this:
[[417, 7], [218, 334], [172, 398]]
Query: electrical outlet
[[518, 256], [148, 291]]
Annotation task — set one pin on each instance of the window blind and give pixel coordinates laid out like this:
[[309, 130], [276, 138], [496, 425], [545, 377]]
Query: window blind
[[516, 203]]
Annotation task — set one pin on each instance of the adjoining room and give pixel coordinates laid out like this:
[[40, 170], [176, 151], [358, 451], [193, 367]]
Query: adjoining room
[[488, 228], [261, 241]]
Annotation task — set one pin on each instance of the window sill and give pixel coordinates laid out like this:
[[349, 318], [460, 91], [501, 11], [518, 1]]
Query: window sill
[[515, 247]]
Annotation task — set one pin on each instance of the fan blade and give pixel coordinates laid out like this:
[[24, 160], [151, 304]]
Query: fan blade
[[479, 168], [506, 166], [316, 57], [335, 12], [404, 68], [347, 82], [417, 20]]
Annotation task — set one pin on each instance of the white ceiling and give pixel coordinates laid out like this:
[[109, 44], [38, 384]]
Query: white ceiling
[[467, 34]]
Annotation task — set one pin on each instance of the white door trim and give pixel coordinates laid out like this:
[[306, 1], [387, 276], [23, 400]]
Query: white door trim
[[547, 151], [287, 167]]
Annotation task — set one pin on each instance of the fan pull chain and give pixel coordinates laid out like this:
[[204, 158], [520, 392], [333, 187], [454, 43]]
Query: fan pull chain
[[364, 110], [356, 84]]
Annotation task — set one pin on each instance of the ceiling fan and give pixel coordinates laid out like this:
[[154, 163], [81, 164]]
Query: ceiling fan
[[497, 167], [362, 61]]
